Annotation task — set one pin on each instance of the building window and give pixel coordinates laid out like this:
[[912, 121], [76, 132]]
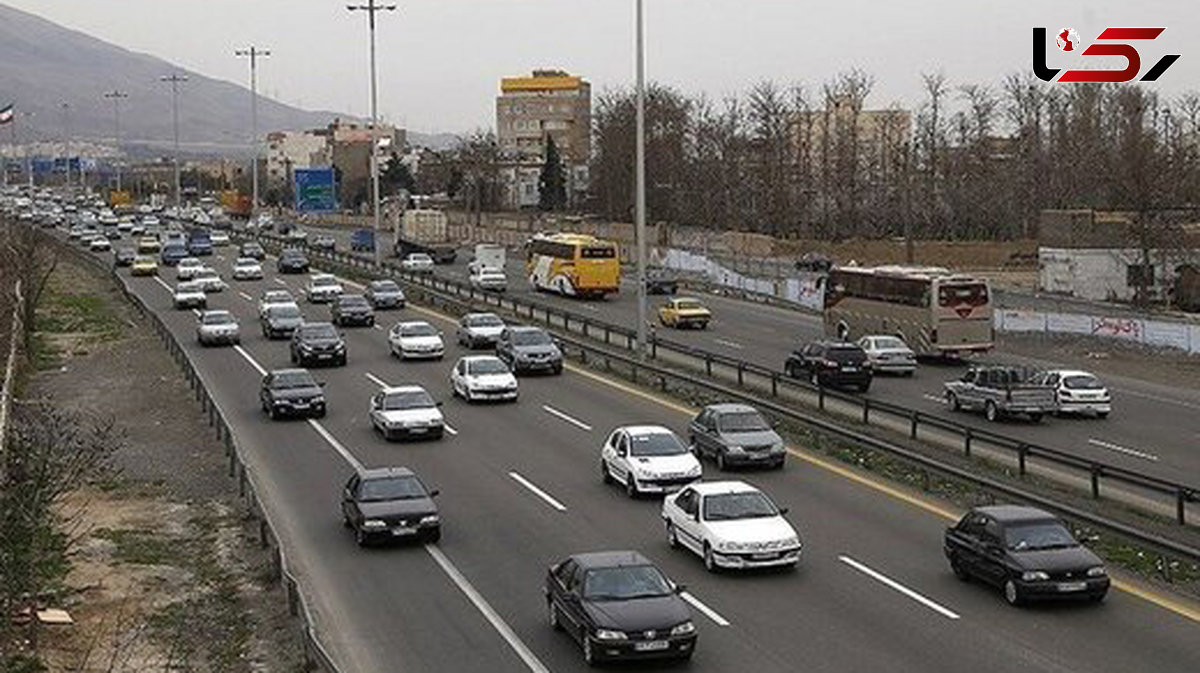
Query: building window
[[1139, 275]]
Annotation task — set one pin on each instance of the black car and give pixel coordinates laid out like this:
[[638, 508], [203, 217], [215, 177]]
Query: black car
[[351, 309], [318, 342], [1028, 553], [124, 256], [831, 363], [385, 294], [525, 349], [618, 605], [279, 321], [390, 503], [292, 261], [291, 392], [660, 281], [736, 434], [252, 250]]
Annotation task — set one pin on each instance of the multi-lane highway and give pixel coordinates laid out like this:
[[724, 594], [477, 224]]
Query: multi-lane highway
[[1153, 429], [873, 592]]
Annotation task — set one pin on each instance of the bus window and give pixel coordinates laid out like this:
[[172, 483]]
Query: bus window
[[597, 252], [970, 294]]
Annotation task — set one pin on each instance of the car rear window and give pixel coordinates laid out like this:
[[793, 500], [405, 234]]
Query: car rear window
[[1082, 383], [846, 355]]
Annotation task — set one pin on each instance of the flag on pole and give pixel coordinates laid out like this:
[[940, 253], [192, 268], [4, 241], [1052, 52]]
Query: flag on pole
[[6, 114]]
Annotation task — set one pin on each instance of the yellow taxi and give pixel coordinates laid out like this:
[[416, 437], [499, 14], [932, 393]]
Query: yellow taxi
[[144, 265], [147, 245], [684, 312]]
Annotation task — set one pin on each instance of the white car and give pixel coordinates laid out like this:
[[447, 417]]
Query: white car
[[487, 278], [188, 268], [417, 262], [647, 459], [416, 339], [217, 327], [297, 234], [477, 330], [406, 412], [210, 280], [271, 298], [219, 239], [1079, 392], [322, 288], [247, 268], [889, 354], [482, 378], [190, 294], [99, 244], [730, 524]]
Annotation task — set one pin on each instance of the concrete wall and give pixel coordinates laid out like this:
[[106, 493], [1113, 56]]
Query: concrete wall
[[1101, 274]]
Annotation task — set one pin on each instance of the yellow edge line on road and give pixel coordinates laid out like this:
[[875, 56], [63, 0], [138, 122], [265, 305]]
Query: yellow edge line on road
[[1181, 607]]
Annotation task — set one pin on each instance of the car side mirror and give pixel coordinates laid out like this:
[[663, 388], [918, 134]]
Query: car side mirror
[[346, 495], [622, 452], [784, 510], [321, 384], [680, 588], [440, 403], [434, 493], [695, 515]]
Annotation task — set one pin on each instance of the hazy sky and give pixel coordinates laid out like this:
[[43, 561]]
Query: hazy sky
[[440, 60]]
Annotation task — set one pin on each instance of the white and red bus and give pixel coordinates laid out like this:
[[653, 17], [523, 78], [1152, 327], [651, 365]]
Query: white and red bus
[[935, 311]]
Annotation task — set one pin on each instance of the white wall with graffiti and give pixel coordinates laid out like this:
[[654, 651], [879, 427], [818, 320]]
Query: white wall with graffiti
[[805, 289], [1178, 335]]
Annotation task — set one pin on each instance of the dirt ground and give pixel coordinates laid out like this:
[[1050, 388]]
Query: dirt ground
[[167, 574], [1163, 366]]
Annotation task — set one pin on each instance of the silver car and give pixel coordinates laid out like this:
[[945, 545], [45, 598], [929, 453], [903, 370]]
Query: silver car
[[217, 328], [889, 355]]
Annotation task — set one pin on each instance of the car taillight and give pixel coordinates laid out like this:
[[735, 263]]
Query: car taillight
[[933, 336]]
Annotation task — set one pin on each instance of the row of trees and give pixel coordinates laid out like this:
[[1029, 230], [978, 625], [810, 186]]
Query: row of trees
[[970, 162]]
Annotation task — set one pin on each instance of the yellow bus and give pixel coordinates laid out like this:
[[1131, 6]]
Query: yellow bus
[[934, 311], [573, 265]]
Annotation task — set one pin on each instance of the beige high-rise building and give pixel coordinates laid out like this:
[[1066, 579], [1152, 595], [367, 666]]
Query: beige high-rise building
[[549, 103]]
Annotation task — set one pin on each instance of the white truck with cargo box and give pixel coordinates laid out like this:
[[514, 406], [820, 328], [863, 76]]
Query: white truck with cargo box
[[425, 231], [488, 256]]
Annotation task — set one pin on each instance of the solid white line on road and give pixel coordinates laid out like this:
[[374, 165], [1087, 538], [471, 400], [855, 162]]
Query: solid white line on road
[[538, 492], [589, 307], [563, 416], [376, 380], [935, 398], [708, 612], [449, 429], [242, 351], [731, 344], [378, 327], [880, 577], [337, 446], [1122, 449], [245, 296], [481, 604], [163, 283], [197, 312]]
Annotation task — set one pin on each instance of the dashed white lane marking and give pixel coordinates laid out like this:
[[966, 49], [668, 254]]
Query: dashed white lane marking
[[527, 656], [1123, 449], [337, 446], [884, 579], [253, 363], [197, 312], [163, 283], [549, 499], [566, 417], [245, 296], [708, 612], [281, 282], [935, 398], [730, 344]]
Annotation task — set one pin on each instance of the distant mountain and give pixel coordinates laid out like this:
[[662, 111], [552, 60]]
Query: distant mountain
[[433, 141], [43, 64]]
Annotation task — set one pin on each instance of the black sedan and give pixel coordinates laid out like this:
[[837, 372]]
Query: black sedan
[[318, 342], [351, 309], [390, 503], [618, 605], [291, 392], [1028, 553], [831, 363], [292, 261]]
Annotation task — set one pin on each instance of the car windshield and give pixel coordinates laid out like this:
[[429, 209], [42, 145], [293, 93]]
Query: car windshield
[[889, 343], [144, 260], [353, 300], [391, 488], [298, 379], [488, 366], [688, 305], [1082, 382], [624, 583], [730, 506], [487, 320], [292, 254], [411, 399], [284, 312], [846, 354], [531, 338], [324, 282], [318, 332], [420, 258], [207, 274], [189, 287], [656, 444], [1039, 535], [278, 297], [418, 330], [742, 421], [385, 286], [246, 262], [215, 318]]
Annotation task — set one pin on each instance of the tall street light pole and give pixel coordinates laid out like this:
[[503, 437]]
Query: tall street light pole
[[175, 80], [116, 96], [640, 188], [254, 53], [372, 8], [66, 115]]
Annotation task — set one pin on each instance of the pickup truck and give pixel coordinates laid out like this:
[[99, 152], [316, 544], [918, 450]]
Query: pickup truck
[[1001, 391]]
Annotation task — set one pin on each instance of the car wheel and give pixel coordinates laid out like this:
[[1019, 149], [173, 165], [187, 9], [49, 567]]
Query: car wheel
[[952, 401], [814, 378], [864, 387], [558, 370], [589, 656], [1011, 594], [435, 536], [722, 465], [991, 412], [1035, 418], [710, 559], [631, 488], [605, 475], [672, 536], [552, 616], [273, 413], [1102, 415], [292, 356], [360, 538], [320, 413], [959, 571], [345, 521]]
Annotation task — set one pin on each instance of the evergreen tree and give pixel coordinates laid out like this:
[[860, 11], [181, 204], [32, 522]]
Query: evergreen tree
[[552, 184]]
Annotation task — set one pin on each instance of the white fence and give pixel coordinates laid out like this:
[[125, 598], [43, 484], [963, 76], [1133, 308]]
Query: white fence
[[805, 289], [1182, 336]]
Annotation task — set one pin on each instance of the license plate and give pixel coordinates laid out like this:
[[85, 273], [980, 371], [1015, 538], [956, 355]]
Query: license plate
[[651, 646], [1072, 586], [849, 369], [762, 557], [403, 530], [300, 405], [417, 431], [324, 356]]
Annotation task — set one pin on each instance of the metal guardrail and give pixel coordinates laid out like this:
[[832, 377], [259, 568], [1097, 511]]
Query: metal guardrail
[[776, 383], [316, 657]]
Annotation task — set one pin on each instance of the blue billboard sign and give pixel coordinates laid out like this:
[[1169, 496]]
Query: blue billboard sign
[[315, 189]]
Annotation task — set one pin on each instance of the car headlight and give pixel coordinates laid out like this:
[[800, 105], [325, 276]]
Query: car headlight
[[777, 446], [793, 541], [374, 523], [339, 348], [1097, 571], [734, 448], [730, 546], [684, 629], [319, 399], [1034, 575], [430, 519], [695, 471], [606, 634]]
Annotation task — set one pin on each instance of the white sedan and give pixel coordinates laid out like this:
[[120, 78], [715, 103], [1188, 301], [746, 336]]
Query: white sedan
[[416, 339], [219, 239], [487, 278], [99, 244], [188, 268], [323, 288], [1079, 392], [417, 262], [271, 298], [483, 377], [247, 268], [406, 412], [209, 279], [889, 354], [647, 459], [190, 294], [730, 524]]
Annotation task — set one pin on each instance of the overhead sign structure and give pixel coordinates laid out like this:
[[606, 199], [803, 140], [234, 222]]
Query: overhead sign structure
[[315, 189]]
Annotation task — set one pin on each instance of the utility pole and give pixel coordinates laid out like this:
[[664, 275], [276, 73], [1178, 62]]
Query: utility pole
[[175, 80], [66, 115], [640, 210], [116, 96], [254, 53], [372, 8]]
